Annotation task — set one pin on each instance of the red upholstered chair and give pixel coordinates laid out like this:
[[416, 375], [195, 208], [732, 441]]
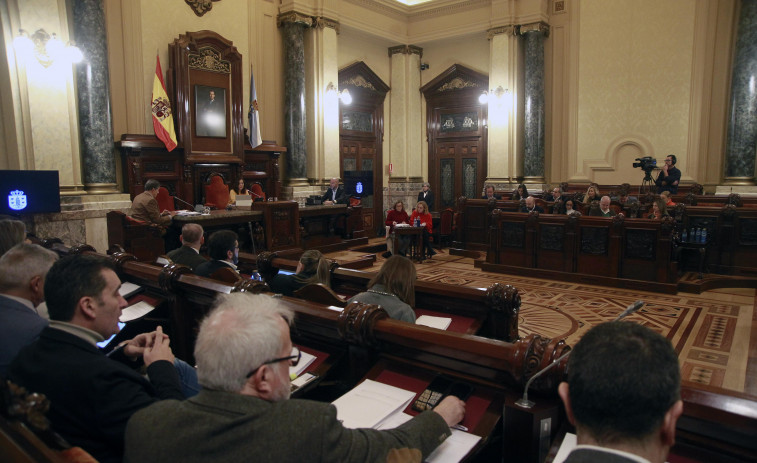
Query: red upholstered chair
[[165, 200], [139, 238], [257, 192], [217, 193], [444, 232]]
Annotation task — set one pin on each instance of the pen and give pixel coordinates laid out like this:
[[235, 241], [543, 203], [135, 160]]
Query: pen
[[459, 427]]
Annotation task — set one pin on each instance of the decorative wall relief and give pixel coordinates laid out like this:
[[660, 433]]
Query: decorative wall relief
[[200, 7]]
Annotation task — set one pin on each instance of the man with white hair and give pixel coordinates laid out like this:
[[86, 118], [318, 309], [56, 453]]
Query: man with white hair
[[604, 208], [22, 288], [531, 206], [243, 353], [335, 194]]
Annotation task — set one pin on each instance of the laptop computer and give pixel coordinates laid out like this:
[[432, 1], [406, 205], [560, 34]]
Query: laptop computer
[[244, 200]]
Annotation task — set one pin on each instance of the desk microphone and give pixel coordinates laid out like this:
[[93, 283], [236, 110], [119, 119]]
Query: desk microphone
[[255, 194], [523, 402], [196, 208]]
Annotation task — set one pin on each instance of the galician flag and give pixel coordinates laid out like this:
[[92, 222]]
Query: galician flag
[[253, 116], [162, 116]]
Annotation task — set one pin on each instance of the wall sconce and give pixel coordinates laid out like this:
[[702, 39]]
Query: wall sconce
[[497, 93], [344, 95], [46, 48]]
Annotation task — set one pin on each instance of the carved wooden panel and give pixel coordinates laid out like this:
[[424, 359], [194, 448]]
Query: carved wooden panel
[[641, 244], [551, 237], [513, 234], [594, 240]]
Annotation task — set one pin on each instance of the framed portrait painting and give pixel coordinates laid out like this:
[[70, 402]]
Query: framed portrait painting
[[210, 107]]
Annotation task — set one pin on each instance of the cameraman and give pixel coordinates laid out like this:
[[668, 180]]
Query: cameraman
[[669, 176]]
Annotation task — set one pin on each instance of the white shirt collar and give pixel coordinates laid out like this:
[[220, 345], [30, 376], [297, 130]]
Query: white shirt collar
[[630, 456], [230, 264]]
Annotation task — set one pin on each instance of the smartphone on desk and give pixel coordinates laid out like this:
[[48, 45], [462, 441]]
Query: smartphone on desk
[[440, 388]]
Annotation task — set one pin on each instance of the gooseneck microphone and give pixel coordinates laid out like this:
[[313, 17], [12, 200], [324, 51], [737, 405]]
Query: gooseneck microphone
[[523, 402], [196, 208]]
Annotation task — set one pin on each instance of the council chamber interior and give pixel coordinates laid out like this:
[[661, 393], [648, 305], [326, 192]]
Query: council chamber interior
[[390, 95]]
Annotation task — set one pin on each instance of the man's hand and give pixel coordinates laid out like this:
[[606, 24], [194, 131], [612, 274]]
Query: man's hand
[[328, 202], [160, 349], [451, 409], [135, 348]]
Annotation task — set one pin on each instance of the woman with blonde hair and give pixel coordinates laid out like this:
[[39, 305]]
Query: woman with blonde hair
[[425, 220], [393, 288], [592, 193], [313, 267]]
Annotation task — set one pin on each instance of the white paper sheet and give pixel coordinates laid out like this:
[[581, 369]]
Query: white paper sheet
[[135, 311], [440, 323], [370, 403]]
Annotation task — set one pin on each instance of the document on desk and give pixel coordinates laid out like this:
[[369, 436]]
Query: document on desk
[[440, 323], [452, 450], [370, 403], [187, 213], [305, 361], [135, 311]]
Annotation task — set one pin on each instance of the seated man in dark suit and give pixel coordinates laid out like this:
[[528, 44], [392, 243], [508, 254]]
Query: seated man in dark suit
[[489, 193], [92, 395], [223, 248], [623, 394], [531, 206], [189, 253], [22, 282], [243, 353], [335, 194]]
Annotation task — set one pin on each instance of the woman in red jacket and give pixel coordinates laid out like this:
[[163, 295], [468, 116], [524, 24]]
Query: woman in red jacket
[[421, 213], [394, 217]]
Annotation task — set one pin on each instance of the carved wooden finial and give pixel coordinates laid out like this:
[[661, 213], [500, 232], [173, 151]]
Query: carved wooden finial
[[356, 322]]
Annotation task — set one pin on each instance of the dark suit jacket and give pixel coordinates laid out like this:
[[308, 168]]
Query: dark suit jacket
[[145, 208], [595, 456], [674, 175], [19, 327], [209, 267], [229, 427], [91, 396], [341, 197], [429, 199], [186, 255], [288, 284]]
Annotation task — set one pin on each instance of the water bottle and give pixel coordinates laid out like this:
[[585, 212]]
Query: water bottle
[[256, 276], [685, 236], [417, 221], [704, 235], [698, 237]]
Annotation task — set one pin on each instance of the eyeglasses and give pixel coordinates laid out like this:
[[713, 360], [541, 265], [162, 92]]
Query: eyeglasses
[[293, 360]]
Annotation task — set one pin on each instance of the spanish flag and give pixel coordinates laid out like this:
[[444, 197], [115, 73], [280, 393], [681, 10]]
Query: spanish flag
[[162, 117]]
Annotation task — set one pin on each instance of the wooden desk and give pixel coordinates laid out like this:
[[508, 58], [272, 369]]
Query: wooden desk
[[233, 219], [483, 408], [419, 253]]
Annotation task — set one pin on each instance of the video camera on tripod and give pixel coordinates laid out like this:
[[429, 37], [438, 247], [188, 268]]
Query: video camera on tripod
[[647, 164]]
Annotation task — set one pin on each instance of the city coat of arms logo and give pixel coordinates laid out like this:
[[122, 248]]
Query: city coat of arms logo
[[17, 200]]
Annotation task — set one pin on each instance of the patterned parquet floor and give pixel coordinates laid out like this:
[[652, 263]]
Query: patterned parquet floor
[[714, 333]]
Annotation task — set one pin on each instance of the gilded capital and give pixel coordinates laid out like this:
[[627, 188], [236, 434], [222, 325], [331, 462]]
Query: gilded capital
[[406, 50], [319, 22], [501, 30], [535, 27], [293, 17]]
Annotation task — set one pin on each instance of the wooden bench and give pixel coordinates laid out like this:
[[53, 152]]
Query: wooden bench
[[492, 312]]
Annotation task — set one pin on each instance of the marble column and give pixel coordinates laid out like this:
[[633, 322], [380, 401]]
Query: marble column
[[93, 95], [293, 26], [742, 124], [533, 158]]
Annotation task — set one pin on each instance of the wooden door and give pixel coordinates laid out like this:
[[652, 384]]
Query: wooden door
[[457, 132], [361, 135], [359, 154]]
